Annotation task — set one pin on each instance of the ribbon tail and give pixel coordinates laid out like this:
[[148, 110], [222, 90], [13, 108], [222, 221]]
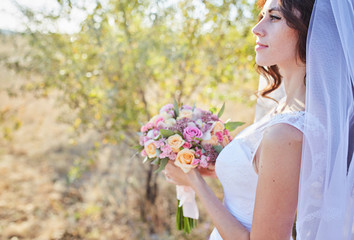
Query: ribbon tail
[[186, 197]]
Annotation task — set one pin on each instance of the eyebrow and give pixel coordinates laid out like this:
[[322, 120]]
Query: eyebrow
[[273, 9], [270, 10]]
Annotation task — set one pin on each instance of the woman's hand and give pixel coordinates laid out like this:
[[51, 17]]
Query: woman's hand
[[207, 172], [176, 176]]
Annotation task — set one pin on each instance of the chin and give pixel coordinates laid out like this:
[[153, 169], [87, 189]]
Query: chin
[[263, 62]]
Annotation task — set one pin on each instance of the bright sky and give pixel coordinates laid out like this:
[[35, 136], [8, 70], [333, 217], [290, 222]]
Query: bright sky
[[10, 16]]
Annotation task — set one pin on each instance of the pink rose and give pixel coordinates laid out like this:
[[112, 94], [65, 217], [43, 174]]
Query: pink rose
[[219, 136], [196, 161], [187, 145], [191, 133]]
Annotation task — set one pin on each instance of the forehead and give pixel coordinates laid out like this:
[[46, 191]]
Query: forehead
[[270, 4]]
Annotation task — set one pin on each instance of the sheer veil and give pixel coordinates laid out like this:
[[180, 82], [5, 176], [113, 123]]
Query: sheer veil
[[326, 190]]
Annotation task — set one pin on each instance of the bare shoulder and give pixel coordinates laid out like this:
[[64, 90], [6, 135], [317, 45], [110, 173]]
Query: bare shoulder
[[281, 149], [281, 133]]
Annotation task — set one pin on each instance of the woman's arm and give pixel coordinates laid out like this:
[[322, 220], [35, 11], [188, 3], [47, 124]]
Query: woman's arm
[[227, 225], [278, 182], [277, 188]]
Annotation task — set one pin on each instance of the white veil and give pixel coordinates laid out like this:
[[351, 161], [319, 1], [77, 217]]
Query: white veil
[[326, 190]]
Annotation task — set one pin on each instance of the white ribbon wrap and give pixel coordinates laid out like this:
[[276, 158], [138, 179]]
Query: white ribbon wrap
[[186, 197]]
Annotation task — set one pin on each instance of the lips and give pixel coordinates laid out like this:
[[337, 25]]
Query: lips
[[260, 46]]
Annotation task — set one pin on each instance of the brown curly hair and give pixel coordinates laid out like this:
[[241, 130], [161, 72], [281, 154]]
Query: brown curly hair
[[299, 22]]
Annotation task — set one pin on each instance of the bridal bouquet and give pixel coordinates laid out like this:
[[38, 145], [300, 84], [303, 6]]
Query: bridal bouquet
[[192, 138]]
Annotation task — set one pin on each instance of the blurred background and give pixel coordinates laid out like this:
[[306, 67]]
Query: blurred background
[[77, 80]]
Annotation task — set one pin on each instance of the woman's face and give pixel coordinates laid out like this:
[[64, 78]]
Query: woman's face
[[276, 41]]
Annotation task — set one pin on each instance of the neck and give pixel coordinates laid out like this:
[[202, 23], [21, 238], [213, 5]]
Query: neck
[[293, 79]]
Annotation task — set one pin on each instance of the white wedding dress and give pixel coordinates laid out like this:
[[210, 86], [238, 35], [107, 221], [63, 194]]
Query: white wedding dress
[[235, 170]]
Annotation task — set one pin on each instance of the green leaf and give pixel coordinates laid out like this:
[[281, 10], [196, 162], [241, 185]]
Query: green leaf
[[162, 166], [158, 151], [166, 133], [138, 147], [233, 125], [221, 110], [156, 161], [157, 137], [212, 110], [218, 148], [176, 109], [193, 107]]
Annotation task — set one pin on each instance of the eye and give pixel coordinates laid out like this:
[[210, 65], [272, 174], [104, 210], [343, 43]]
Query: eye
[[273, 17]]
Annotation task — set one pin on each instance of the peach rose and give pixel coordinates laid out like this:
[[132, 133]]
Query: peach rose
[[213, 140], [150, 149], [185, 159], [185, 113], [175, 142], [218, 127]]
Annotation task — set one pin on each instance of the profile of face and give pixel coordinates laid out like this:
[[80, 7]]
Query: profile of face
[[276, 42]]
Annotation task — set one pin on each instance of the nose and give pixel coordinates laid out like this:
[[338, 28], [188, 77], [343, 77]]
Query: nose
[[258, 29]]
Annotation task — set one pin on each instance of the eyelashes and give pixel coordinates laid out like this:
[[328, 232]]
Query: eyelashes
[[272, 17]]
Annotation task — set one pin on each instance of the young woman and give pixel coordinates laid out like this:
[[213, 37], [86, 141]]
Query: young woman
[[259, 170]]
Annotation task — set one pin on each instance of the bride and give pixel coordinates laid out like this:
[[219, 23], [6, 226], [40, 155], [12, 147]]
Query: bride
[[289, 160], [259, 170]]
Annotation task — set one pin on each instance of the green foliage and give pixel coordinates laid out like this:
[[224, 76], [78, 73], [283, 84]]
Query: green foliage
[[233, 125], [131, 56], [166, 133], [221, 111]]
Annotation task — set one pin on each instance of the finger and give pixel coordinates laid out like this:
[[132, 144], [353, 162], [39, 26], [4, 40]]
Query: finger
[[170, 180]]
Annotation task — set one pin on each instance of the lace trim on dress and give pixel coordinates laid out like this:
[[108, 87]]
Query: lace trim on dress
[[295, 119]]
